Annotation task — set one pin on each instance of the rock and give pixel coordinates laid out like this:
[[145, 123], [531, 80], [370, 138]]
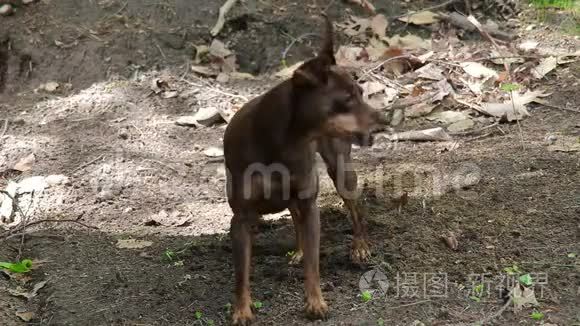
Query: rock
[[461, 125], [27, 2], [187, 121], [50, 87], [213, 152], [208, 116], [222, 78], [6, 10], [57, 179], [398, 117]]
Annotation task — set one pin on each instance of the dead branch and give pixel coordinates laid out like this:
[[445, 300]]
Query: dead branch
[[12, 233], [224, 9], [87, 164]]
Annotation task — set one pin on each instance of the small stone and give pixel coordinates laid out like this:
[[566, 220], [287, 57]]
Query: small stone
[[6, 10], [222, 78], [551, 139], [27, 2], [398, 117], [57, 179], [214, 152]]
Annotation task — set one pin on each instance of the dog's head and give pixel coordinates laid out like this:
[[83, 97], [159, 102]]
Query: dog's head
[[330, 100]]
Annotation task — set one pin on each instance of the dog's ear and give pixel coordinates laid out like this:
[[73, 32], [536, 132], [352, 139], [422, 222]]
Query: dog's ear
[[315, 72]]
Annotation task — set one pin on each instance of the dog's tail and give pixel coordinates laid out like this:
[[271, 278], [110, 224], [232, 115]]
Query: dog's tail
[[327, 50]]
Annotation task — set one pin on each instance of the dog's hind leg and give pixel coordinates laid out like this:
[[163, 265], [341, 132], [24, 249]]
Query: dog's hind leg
[[336, 154], [241, 236], [299, 252]]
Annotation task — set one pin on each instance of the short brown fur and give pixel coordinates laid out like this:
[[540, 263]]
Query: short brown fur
[[270, 147]]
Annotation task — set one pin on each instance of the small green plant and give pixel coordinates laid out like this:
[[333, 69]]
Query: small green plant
[[537, 315], [258, 305], [228, 307], [571, 255], [169, 254], [509, 87], [380, 322], [290, 253], [210, 322], [198, 315], [526, 279], [478, 292], [512, 270], [366, 296], [22, 266]]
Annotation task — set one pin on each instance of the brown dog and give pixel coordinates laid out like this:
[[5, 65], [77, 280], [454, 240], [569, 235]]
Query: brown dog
[[270, 146]]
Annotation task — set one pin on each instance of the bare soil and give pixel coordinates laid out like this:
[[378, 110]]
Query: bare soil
[[136, 174]]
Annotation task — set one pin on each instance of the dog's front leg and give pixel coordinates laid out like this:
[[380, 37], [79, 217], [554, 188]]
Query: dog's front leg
[[309, 225], [242, 251]]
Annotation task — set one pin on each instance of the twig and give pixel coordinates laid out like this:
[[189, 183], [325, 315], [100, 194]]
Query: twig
[[14, 203], [122, 8], [475, 131], [224, 9], [517, 120], [294, 40], [215, 89], [547, 104], [9, 234], [497, 314], [441, 5], [5, 128], [410, 304], [161, 51], [382, 63], [87, 164]]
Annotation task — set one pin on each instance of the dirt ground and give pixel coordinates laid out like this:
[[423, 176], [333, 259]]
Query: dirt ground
[[135, 174]]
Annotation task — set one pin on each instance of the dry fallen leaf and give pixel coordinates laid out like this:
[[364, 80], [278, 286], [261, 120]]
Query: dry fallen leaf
[[25, 164], [419, 110], [379, 25], [349, 56], [133, 244], [218, 49], [461, 125], [512, 110], [421, 18], [25, 315], [448, 117], [523, 297], [204, 71], [544, 67], [20, 292], [478, 70], [430, 71], [409, 42]]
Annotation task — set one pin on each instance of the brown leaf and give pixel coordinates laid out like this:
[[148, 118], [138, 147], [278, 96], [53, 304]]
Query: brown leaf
[[451, 240], [379, 25], [25, 164]]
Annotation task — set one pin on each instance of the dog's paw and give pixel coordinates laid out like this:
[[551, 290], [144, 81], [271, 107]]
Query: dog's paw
[[296, 258], [242, 317], [360, 252], [316, 308]]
